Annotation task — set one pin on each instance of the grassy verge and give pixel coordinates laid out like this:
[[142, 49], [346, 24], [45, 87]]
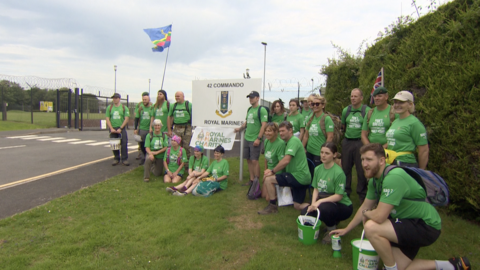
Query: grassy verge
[[42, 119], [124, 223], [9, 125]]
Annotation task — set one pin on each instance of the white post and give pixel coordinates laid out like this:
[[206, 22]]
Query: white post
[[240, 170]]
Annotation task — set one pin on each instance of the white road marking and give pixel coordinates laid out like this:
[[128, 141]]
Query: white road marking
[[80, 142], [98, 143], [36, 137], [9, 147], [24, 136], [52, 139], [67, 140]]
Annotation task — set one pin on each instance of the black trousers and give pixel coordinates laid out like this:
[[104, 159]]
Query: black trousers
[[331, 213], [124, 142], [350, 157]]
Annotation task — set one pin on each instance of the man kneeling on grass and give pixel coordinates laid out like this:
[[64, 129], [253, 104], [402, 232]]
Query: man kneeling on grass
[[297, 175], [402, 222]]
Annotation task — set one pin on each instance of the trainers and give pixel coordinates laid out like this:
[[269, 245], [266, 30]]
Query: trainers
[[115, 162], [171, 189], [327, 239], [146, 180], [126, 163], [270, 209], [176, 193], [460, 263], [183, 189]]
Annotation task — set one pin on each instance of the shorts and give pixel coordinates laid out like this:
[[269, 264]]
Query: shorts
[[412, 234], [298, 190], [180, 174], [251, 152]]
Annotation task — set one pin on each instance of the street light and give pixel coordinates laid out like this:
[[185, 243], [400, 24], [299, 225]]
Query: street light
[[312, 85], [264, 64], [149, 87], [115, 68], [248, 75]]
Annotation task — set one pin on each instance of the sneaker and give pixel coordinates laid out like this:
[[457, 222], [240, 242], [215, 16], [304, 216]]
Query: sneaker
[[146, 180], [270, 209], [460, 263], [115, 162], [327, 239], [183, 189], [126, 163], [171, 189], [181, 194]]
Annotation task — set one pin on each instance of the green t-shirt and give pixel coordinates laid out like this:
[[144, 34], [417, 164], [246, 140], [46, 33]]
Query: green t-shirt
[[306, 113], [158, 142], [172, 165], [331, 181], [297, 121], [162, 114], [117, 115], [181, 116], [353, 123], [253, 123], [144, 116], [198, 164], [398, 185], [219, 169], [274, 152], [278, 118], [298, 166], [378, 125], [405, 135], [315, 134]]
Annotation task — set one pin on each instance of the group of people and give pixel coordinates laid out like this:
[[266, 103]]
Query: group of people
[[396, 220]]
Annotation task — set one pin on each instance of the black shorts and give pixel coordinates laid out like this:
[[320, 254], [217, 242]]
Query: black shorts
[[298, 190], [412, 234]]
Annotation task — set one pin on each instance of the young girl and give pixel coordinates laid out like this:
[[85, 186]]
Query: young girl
[[329, 195], [296, 118], [174, 161], [196, 166]]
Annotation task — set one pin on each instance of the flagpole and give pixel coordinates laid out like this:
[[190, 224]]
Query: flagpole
[[165, 68]]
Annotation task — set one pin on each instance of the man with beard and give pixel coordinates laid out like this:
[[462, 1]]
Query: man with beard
[[402, 222], [142, 122], [180, 117]]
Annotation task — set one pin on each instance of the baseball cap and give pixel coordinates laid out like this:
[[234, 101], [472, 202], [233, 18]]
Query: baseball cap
[[404, 96], [380, 90], [145, 94], [116, 95], [253, 94]]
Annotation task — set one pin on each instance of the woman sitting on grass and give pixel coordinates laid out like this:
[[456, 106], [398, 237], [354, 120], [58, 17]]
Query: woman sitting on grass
[[198, 164], [218, 171], [174, 161], [329, 195], [274, 151]]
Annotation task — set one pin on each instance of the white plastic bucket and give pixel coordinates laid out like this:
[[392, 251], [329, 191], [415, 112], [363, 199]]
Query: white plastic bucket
[[364, 255], [115, 143]]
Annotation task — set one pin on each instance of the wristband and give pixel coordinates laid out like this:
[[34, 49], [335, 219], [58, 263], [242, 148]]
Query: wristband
[[259, 138], [272, 171]]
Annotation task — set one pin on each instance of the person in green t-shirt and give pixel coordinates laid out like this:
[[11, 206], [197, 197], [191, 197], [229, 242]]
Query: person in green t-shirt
[[278, 111], [274, 151], [117, 118], [160, 110], [379, 119], [174, 161], [218, 172], [296, 119], [407, 134], [197, 165], [180, 118], [254, 127], [396, 219], [329, 195], [296, 176], [314, 136], [352, 119], [142, 122], [306, 109], [155, 146]]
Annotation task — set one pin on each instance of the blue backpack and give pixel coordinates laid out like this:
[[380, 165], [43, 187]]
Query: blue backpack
[[206, 188], [435, 187]]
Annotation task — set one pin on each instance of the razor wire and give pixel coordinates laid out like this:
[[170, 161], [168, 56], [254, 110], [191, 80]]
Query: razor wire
[[29, 82]]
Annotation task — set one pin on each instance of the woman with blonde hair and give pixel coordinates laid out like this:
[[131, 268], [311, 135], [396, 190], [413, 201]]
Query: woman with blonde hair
[[314, 136], [407, 134], [274, 151]]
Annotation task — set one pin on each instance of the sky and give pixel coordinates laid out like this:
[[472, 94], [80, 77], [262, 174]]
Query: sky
[[211, 39]]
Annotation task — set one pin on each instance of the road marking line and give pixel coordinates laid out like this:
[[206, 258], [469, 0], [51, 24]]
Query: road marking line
[[8, 147], [52, 139], [67, 140], [98, 143], [24, 136], [36, 137], [35, 178], [80, 142]]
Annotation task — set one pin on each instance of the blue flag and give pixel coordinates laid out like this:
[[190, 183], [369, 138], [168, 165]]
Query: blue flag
[[160, 37]]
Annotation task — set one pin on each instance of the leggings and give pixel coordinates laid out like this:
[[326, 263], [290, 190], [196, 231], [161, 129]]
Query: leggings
[[331, 213]]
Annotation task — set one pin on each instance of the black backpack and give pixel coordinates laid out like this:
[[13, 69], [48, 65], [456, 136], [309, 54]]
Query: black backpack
[[188, 110], [269, 119]]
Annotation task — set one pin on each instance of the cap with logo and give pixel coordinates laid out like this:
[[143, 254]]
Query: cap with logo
[[404, 96], [380, 90], [145, 94], [253, 94]]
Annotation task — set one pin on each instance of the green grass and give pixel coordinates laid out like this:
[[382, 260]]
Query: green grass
[[9, 125], [124, 223], [42, 119]]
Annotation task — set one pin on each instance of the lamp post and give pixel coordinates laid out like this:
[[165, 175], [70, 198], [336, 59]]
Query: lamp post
[[312, 85], [115, 68], [149, 87], [264, 65]]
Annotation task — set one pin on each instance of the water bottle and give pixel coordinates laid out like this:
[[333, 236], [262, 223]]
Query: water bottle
[[336, 246]]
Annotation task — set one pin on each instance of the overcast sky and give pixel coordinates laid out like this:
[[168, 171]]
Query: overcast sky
[[211, 39]]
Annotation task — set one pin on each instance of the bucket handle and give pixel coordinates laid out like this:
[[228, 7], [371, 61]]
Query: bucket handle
[[318, 218], [118, 137], [361, 240]]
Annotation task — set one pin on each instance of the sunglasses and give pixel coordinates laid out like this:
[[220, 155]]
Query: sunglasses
[[317, 104]]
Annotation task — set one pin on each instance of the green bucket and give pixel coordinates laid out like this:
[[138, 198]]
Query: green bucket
[[308, 234], [365, 259]]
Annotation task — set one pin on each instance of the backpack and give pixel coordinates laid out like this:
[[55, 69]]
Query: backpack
[[254, 192], [140, 109], [362, 111], [186, 107], [111, 110], [180, 154], [205, 188], [337, 127], [162, 137], [435, 187], [269, 116], [391, 115]]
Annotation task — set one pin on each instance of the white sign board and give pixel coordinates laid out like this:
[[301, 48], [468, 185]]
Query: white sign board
[[222, 103], [211, 137]]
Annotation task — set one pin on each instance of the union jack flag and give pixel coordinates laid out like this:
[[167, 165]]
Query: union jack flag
[[378, 83]]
